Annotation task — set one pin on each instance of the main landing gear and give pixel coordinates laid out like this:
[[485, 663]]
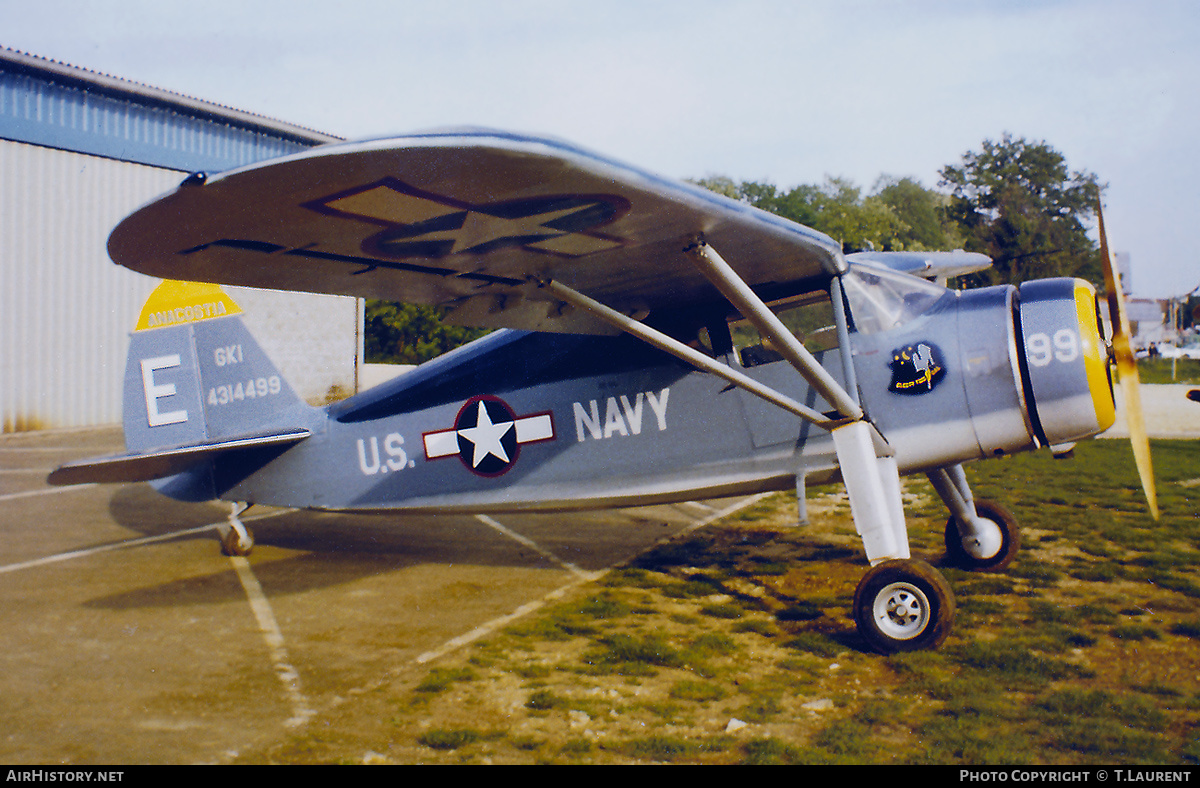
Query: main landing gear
[[236, 538], [904, 604]]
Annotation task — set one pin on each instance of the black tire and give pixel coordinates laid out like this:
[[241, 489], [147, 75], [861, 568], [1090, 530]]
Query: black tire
[[903, 605], [1010, 544]]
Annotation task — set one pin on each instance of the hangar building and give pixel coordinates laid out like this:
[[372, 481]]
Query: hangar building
[[78, 152]]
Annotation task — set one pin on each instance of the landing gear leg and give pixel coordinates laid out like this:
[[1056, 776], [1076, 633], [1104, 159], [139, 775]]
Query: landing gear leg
[[873, 484], [236, 538], [901, 603]]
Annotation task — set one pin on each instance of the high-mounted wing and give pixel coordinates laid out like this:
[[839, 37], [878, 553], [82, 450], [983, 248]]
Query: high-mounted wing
[[471, 219]]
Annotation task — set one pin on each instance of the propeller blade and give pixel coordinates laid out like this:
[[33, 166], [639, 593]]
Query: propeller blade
[[1127, 371]]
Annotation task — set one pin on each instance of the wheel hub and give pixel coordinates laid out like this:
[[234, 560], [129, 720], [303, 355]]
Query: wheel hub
[[901, 610]]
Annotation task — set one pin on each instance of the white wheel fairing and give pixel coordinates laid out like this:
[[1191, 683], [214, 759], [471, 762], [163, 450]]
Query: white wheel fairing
[[963, 554], [987, 542]]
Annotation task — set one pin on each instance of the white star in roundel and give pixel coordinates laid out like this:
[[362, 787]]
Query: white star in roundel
[[479, 228], [485, 436]]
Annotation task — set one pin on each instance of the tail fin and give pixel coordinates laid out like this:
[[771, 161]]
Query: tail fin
[[195, 374], [197, 385]]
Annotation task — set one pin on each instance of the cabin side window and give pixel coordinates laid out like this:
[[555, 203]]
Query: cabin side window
[[809, 317]]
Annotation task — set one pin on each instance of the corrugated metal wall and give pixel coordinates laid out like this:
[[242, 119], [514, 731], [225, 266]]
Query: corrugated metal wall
[[66, 309], [58, 288]]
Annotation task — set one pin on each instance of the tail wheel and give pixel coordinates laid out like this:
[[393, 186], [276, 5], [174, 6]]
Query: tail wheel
[[236, 538], [1010, 540], [234, 543], [903, 605]]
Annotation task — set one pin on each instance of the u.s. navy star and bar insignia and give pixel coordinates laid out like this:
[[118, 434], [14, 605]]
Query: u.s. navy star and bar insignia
[[422, 224], [487, 436]]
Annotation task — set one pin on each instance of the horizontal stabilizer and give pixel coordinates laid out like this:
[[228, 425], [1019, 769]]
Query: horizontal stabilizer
[[144, 466]]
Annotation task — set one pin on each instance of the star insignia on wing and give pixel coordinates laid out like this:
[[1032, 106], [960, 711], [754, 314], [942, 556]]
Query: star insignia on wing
[[422, 224]]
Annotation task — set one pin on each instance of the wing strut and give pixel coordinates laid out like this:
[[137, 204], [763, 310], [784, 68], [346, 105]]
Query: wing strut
[[689, 355], [735, 289], [868, 464]]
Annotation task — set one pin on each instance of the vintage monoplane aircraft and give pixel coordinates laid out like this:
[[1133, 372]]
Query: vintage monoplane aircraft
[[662, 343]]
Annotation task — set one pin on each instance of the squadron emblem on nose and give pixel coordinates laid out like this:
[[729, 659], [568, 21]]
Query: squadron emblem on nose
[[916, 369]]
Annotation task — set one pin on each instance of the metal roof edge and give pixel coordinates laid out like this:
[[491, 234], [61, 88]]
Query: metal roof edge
[[92, 80]]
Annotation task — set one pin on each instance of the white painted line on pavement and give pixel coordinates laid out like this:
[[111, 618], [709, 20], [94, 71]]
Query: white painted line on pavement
[[51, 491], [302, 712], [143, 540], [582, 577], [532, 545]]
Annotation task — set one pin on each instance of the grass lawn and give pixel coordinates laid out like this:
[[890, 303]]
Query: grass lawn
[[735, 644]]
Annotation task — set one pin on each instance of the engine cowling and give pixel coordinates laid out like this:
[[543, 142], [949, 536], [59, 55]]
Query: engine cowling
[[1069, 391]]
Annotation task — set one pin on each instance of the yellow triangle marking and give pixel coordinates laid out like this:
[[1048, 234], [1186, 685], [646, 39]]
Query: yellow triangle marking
[[173, 303], [576, 245]]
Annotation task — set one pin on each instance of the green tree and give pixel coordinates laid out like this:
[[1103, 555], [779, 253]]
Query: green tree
[[1016, 201], [900, 215], [410, 333], [799, 204], [858, 222], [924, 214]]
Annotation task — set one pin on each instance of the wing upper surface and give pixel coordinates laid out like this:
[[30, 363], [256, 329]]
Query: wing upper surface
[[467, 219]]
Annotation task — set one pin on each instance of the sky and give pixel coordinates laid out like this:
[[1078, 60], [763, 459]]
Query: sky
[[784, 91]]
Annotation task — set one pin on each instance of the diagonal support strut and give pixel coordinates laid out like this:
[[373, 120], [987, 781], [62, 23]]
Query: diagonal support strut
[[690, 355], [735, 289], [868, 465]]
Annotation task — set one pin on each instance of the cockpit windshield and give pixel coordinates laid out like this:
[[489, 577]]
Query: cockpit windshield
[[881, 299]]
